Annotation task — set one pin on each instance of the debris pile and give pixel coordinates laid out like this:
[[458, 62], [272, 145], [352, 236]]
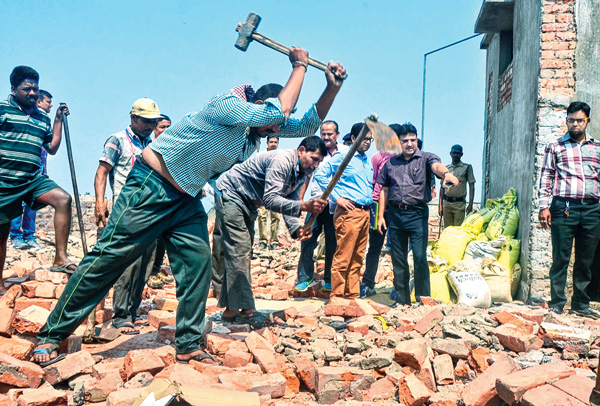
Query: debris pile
[[314, 352]]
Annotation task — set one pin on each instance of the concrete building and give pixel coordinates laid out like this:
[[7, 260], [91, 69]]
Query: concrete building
[[541, 55]]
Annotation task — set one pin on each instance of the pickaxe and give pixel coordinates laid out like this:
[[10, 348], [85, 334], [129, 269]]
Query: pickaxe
[[247, 33], [385, 139]]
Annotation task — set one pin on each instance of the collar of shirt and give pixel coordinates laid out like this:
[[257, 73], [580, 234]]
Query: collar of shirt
[[418, 154], [14, 103], [136, 139], [567, 137]]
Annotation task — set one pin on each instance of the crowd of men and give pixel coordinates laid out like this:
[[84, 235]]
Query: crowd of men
[[157, 173]]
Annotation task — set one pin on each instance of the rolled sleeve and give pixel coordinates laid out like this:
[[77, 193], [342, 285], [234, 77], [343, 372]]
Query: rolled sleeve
[[307, 125], [111, 152], [547, 177]]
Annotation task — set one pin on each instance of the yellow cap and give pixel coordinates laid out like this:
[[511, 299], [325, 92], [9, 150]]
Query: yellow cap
[[146, 108]]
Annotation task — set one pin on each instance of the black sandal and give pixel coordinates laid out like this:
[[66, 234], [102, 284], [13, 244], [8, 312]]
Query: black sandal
[[256, 320], [198, 357], [49, 351], [126, 324]]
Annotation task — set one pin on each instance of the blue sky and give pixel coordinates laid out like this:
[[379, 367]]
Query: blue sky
[[99, 57]]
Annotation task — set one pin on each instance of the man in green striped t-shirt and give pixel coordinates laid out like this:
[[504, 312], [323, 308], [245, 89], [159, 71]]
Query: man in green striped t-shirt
[[24, 131]]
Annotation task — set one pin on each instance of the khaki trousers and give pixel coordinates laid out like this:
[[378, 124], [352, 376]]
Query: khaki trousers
[[454, 213], [263, 215], [352, 234]]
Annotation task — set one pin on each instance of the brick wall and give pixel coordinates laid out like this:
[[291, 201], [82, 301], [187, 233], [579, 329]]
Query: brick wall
[[505, 87], [45, 216], [556, 90]]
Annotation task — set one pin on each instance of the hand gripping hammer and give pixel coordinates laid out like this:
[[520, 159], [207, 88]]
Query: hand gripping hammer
[[247, 33]]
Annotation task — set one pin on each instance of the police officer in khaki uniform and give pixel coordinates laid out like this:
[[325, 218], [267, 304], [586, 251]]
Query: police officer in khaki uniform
[[453, 201]]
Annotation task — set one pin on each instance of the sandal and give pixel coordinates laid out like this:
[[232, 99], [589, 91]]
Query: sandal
[[142, 319], [49, 351], [120, 325], [198, 357], [64, 268], [256, 320]]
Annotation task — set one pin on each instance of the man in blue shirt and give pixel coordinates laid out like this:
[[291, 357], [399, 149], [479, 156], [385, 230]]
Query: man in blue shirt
[[352, 195], [161, 198]]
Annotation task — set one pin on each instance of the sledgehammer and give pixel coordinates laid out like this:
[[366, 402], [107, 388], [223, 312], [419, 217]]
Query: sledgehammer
[[247, 33]]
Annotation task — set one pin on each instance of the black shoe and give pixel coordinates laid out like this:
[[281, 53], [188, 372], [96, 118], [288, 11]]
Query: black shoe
[[262, 245], [556, 310], [586, 313]]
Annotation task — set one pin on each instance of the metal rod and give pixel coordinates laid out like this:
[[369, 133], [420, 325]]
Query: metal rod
[[425, 77]]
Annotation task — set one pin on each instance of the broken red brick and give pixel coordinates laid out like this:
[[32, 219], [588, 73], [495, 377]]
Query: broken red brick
[[338, 306], [70, 345], [166, 353], [23, 303], [358, 327], [482, 390], [137, 361], [429, 321], [9, 298], [307, 371], [183, 374], [28, 288], [572, 339], [444, 369], [166, 304], [72, 365], [548, 395], [125, 397], [46, 396], [234, 358], [478, 359], [518, 322], [292, 381], [218, 344], [411, 353], [383, 389], [108, 368], [413, 392], [19, 373], [365, 308], [159, 318], [31, 320], [512, 387], [515, 339], [97, 390], [577, 386], [16, 347]]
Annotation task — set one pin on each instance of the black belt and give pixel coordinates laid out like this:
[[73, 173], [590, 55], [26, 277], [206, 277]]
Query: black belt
[[408, 206], [577, 201], [454, 199], [362, 206]]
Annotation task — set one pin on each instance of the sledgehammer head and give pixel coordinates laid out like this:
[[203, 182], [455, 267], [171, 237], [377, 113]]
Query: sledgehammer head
[[245, 31]]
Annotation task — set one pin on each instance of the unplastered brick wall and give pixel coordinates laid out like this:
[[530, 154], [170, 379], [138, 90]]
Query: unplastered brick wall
[[556, 90], [505, 87], [45, 216]]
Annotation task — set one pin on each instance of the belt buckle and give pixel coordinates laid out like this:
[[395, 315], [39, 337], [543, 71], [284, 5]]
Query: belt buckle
[[403, 206]]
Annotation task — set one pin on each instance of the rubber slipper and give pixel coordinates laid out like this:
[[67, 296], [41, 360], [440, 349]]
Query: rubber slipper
[[64, 268], [125, 324], [256, 320], [141, 321], [198, 357], [49, 351]]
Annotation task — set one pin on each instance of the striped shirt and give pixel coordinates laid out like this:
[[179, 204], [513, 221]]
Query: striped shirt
[[203, 145], [22, 137], [119, 152], [271, 179], [570, 170]]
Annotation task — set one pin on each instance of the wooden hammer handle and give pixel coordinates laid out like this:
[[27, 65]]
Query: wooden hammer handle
[[338, 173], [285, 50]]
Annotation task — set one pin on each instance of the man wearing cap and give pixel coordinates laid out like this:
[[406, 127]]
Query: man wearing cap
[[452, 201], [347, 140], [161, 197], [323, 222], [117, 160]]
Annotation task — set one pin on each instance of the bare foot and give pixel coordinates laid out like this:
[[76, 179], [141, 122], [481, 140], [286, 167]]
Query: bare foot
[[44, 357]]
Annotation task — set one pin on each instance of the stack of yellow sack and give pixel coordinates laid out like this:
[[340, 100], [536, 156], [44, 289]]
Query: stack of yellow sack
[[497, 223]]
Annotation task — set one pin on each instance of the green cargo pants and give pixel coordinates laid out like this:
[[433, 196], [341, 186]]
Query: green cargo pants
[[148, 207]]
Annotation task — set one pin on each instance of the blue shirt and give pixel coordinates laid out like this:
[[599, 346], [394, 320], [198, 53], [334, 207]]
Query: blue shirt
[[203, 145], [355, 184]]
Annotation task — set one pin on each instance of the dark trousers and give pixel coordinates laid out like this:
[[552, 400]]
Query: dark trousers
[[306, 264], [148, 207], [237, 235], [159, 257], [583, 225], [376, 240], [594, 287], [405, 225], [24, 225]]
